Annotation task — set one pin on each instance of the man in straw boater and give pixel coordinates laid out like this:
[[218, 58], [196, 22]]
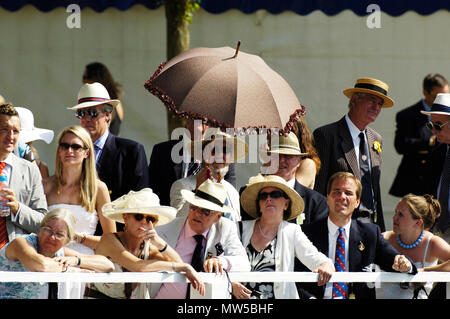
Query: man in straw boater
[[204, 239], [352, 244], [216, 153], [121, 163], [349, 145]]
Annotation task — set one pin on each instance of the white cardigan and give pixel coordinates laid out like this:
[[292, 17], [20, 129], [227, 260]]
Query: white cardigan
[[291, 243]]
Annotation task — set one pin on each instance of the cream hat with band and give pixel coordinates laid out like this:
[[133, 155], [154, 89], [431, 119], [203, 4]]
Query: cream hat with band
[[92, 94], [208, 195], [255, 184], [143, 202], [371, 86], [240, 147], [287, 145]]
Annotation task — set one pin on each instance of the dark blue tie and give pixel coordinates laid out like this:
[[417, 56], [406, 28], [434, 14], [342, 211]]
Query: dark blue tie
[[366, 180]]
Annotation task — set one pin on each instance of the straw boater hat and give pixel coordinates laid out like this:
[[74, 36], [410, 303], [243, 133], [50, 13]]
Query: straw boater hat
[[240, 149], [208, 195], [372, 86], [256, 183], [287, 145], [144, 202], [92, 95], [441, 105], [28, 132]]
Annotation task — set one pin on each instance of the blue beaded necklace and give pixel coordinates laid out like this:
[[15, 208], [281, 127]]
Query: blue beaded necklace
[[414, 244]]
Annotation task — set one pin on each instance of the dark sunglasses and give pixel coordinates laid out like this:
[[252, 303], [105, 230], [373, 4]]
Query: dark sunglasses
[[75, 147], [203, 211], [148, 218], [436, 125], [93, 113], [272, 194]]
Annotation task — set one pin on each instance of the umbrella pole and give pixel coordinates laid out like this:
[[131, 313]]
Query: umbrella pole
[[237, 49]]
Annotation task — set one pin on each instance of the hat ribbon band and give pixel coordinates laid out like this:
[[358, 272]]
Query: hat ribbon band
[[439, 108], [208, 197], [371, 87], [92, 99]]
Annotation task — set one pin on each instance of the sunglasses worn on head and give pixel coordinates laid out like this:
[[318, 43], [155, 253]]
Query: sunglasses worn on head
[[272, 194], [93, 113], [75, 147], [436, 125], [148, 218]]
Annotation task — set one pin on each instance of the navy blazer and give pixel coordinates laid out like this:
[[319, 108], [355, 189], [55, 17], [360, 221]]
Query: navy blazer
[[163, 171], [316, 206], [366, 246], [412, 140], [122, 166]]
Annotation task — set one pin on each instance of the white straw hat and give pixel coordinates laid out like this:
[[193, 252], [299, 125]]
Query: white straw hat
[[144, 202], [208, 195], [92, 94], [28, 132]]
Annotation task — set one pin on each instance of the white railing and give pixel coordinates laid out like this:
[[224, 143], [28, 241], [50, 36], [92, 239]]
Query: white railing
[[218, 285]]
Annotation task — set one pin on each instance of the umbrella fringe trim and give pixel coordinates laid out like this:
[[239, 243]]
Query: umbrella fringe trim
[[169, 103]]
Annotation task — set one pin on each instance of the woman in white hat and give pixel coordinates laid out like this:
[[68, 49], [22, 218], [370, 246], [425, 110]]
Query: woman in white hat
[[46, 251], [272, 243], [75, 186], [138, 248]]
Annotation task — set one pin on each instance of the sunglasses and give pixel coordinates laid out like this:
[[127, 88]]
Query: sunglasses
[[93, 113], [75, 147], [272, 194], [148, 218], [436, 125], [49, 232], [203, 211]]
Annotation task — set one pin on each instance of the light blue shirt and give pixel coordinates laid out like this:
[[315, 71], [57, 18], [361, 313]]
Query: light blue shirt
[[100, 143]]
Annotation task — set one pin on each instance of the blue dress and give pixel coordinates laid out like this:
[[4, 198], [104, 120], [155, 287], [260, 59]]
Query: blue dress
[[22, 290]]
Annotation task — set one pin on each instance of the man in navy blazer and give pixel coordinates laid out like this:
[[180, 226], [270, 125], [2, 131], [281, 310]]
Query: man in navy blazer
[[121, 163], [364, 243]]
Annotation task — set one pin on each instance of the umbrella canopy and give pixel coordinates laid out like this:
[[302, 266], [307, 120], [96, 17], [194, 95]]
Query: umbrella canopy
[[227, 89]]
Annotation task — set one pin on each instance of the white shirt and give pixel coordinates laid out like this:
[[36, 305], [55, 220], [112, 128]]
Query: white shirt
[[354, 132], [333, 233]]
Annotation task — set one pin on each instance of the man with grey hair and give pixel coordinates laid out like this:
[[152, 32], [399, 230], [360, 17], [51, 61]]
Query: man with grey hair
[[349, 145]]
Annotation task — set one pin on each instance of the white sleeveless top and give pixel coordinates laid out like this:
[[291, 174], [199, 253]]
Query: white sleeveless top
[[393, 290], [85, 225]]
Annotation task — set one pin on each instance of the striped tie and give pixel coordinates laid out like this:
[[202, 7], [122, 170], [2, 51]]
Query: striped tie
[[3, 230], [340, 288]]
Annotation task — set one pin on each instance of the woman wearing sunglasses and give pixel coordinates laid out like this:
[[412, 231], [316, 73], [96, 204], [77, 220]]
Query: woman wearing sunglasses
[[45, 251], [138, 248], [75, 186], [272, 243]]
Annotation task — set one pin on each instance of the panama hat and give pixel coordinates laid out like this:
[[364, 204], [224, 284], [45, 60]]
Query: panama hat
[[372, 86], [144, 202], [240, 147], [287, 145], [208, 195], [28, 132], [92, 95], [441, 105], [256, 183]]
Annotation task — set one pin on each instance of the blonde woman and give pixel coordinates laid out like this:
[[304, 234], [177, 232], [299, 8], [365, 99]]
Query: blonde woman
[[75, 186], [45, 251]]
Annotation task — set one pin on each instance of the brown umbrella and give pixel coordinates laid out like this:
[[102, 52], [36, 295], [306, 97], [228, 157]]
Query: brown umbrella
[[225, 89]]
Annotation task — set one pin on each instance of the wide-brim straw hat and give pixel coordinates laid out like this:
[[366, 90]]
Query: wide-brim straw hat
[[208, 195], [287, 145], [256, 183], [441, 105], [30, 133], [240, 147], [143, 202], [92, 94], [371, 86]]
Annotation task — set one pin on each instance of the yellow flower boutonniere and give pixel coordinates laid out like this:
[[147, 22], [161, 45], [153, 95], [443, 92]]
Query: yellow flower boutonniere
[[377, 146]]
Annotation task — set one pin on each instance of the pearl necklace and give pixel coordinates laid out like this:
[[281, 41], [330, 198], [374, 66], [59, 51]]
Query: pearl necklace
[[414, 244]]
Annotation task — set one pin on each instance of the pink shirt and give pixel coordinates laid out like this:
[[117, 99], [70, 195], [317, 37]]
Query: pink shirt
[[185, 248]]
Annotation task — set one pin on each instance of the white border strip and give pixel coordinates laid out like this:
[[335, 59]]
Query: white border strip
[[139, 277]]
